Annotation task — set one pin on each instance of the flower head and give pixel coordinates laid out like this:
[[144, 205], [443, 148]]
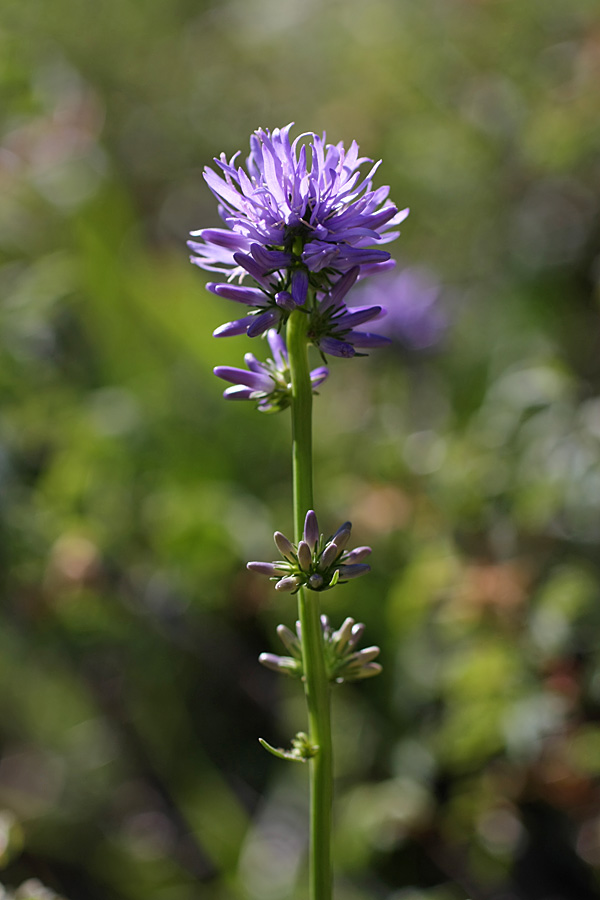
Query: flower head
[[269, 382], [342, 661], [315, 563], [297, 219]]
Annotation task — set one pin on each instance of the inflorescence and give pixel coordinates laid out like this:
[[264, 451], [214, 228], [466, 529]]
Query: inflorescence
[[314, 563], [342, 661], [268, 382], [300, 221]]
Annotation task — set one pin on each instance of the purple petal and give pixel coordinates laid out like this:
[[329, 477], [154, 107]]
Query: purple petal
[[229, 329], [318, 375], [239, 392], [299, 286], [357, 316], [240, 293], [365, 339], [341, 287], [254, 380], [262, 323], [278, 349], [336, 348], [270, 259], [284, 300]]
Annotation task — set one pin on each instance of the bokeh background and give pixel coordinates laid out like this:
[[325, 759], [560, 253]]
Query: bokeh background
[[132, 495]]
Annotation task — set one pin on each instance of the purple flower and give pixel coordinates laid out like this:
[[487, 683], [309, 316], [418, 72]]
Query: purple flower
[[269, 382], [316, 563], [297, 219], [411, 298]]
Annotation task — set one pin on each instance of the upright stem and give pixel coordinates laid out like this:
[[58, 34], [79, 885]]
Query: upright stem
[[316, 684]]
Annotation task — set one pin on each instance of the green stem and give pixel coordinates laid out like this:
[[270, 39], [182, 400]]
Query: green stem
[[316, 683]]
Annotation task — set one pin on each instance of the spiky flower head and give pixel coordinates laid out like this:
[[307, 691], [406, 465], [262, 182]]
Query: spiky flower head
[[315, 563], [297, 219], [343, 662], [268, 382]]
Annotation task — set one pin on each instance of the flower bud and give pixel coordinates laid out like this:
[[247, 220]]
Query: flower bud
[[289, 583], [263, 568], [285, 546], [304, 556], [329, 555], [354, 571], [311, 529], [342, 535]]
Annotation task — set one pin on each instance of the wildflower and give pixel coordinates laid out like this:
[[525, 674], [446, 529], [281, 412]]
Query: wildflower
[[269, 382], [412, 303], [297, 221], [316, 563], [342, 661]]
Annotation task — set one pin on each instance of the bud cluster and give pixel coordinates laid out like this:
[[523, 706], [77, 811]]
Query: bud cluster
[[314, 563], [342, 661]]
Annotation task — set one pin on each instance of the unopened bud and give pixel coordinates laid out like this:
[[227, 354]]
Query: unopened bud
[[304, 556], [285, 546]]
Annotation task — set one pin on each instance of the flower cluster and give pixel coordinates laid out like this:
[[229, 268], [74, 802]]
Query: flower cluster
[[300, 221], [268, 382], [342, 661], [315, 563]]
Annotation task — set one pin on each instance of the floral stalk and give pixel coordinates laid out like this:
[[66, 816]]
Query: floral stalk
[[299, 224], [316, 684]]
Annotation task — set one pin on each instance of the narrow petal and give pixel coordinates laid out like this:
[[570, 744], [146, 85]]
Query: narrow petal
[[364, 339], [253, 380], [262, 323], [299, 286], [318, 375], [278, 348], [336, 348], [239, 392], [238, 292], [229, 329]]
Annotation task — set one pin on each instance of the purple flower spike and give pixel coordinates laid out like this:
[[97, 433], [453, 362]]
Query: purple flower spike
[[311, 529], [301, 219]]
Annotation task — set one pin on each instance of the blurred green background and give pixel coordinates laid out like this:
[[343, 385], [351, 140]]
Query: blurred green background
[[132, 495]]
